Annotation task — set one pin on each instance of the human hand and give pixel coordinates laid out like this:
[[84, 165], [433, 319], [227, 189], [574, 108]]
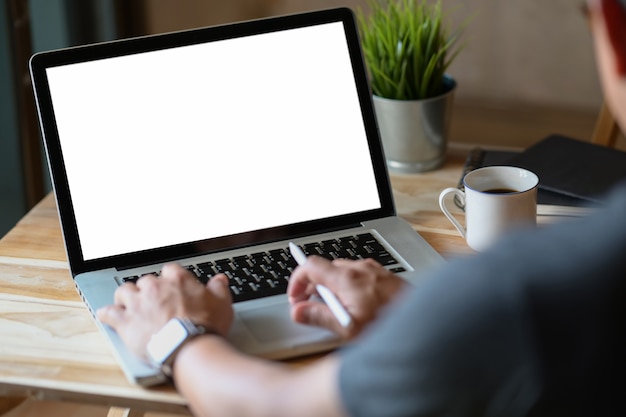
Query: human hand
[[140, 310], [363, 287]]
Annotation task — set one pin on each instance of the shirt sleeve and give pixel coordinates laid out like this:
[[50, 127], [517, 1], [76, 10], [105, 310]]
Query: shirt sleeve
[[534, 324], [443, 350]]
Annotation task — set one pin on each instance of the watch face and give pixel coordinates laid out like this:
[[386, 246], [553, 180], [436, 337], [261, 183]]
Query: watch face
[[165, 342]]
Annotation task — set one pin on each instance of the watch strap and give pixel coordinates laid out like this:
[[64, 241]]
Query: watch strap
[[192, 328]]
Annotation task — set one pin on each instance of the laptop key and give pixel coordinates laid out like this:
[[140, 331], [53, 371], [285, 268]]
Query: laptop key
[[278, 255], [260, 258], [385, 259], [224, 265], [347, 242], [132, 279]]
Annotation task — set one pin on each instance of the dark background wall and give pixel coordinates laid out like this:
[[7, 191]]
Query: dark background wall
[[26, 27]]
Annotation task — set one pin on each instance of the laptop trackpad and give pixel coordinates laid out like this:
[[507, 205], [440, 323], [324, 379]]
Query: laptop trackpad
[[273, 323]]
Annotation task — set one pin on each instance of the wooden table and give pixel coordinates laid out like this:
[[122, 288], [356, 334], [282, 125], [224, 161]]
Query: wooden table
[[51, 348]]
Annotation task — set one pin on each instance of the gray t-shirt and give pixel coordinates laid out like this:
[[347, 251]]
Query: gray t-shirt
[[534, 326]]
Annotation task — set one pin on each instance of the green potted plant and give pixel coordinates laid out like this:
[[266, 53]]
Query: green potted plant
[[407, 50]]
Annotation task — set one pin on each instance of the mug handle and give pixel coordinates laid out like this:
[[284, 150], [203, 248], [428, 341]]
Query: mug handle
[[461, 195]]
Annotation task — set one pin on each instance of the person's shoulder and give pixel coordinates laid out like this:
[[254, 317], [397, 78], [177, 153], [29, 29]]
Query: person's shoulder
[[617, 195]]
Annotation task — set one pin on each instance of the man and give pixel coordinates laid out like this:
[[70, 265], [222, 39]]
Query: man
[[535, 326]]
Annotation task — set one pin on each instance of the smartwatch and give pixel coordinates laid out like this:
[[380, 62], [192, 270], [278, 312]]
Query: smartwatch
[[165, 344]]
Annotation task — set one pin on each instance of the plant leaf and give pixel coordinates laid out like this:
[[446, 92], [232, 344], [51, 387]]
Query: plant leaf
[[407, 48]]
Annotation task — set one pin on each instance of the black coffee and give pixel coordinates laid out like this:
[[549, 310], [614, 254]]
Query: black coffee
[[500, 191]]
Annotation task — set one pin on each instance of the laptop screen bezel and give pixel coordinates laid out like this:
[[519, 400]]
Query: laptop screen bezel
[[42, 61]]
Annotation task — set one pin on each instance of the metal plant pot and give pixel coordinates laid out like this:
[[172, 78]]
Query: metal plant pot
[[414, 133]]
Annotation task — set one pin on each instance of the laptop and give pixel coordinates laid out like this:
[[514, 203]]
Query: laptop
[[215, 148]]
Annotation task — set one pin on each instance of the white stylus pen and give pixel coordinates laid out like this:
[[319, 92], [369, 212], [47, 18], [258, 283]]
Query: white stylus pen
[[327, 295]]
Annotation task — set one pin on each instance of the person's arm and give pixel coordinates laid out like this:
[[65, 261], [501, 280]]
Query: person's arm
[[208, 371], [217, 380]]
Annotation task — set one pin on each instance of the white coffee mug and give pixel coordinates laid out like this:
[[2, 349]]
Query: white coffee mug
[[497, 199]]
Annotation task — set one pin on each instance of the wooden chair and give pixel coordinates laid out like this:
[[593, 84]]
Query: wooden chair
[[606, 130]]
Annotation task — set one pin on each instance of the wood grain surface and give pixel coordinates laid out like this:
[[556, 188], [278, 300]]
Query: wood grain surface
[[51, 348]]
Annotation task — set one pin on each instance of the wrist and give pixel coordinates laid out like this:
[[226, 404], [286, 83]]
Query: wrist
[[165, 345], [194, 354]]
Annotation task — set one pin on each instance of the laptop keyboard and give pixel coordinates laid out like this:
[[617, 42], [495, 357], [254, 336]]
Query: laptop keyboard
[[261, 274]]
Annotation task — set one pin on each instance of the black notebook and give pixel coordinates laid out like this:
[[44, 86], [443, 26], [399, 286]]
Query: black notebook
[[574, 168], [574, 176]]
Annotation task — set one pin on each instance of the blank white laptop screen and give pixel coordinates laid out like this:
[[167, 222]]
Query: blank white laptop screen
[[213, 139]]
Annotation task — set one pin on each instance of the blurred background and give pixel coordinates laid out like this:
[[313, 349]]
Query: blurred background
[[526, 70]]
